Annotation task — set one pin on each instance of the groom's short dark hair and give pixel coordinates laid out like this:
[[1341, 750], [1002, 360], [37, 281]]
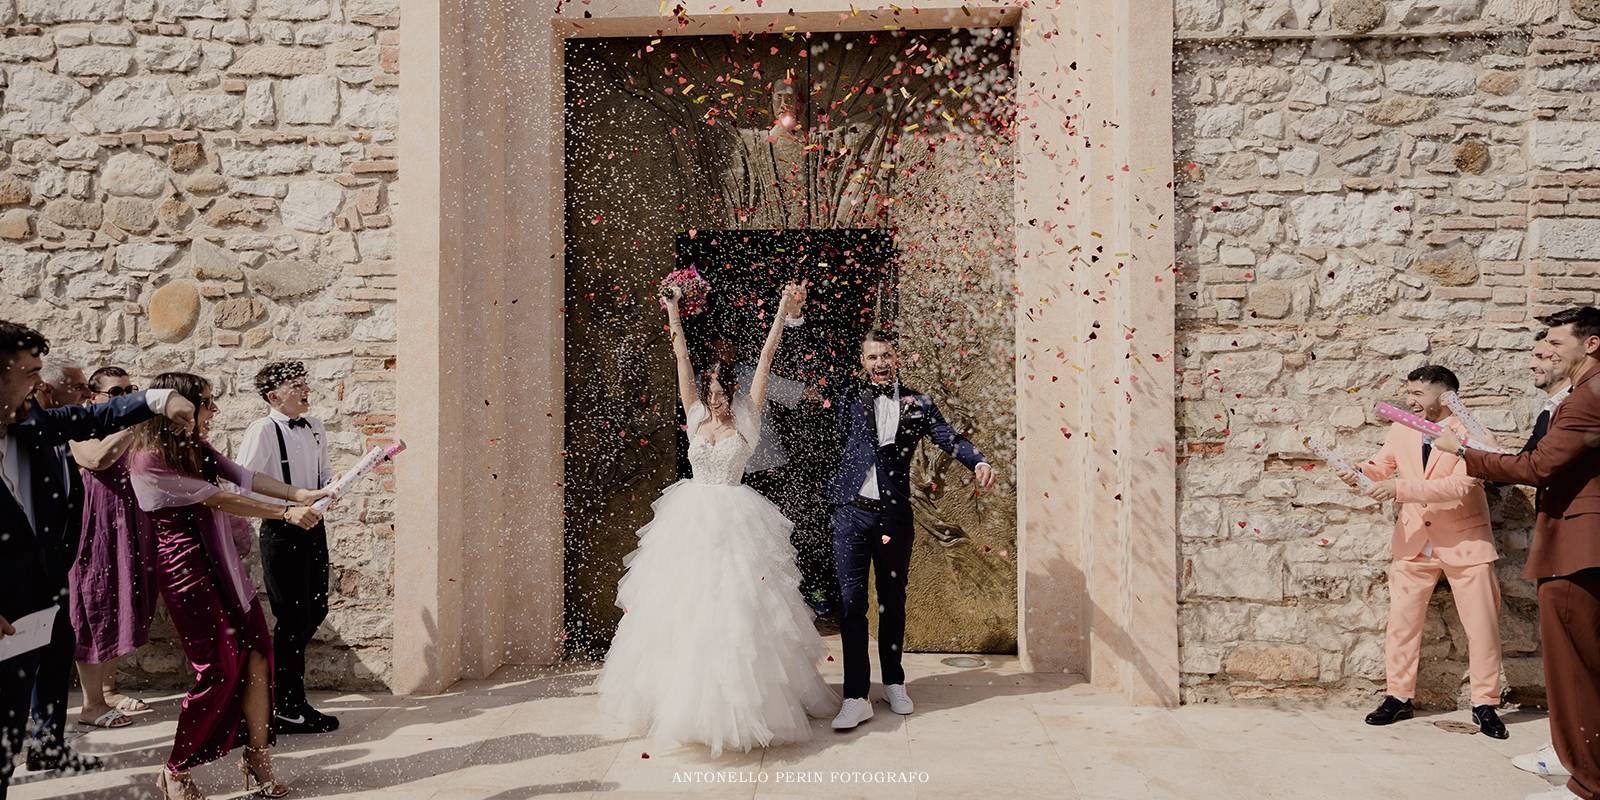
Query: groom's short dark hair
[[881, 336]]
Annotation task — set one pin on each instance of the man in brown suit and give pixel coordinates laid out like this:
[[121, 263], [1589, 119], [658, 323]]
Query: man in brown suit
[[1565, 556]]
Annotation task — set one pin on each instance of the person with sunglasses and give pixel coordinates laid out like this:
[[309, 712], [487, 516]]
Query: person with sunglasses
[[201, 539], [112, 585]]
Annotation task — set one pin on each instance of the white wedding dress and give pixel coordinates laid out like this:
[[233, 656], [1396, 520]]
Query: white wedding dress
[[715, 645]]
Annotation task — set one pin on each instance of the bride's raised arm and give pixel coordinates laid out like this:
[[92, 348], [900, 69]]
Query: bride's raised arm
[[769, 351], [687, 394]]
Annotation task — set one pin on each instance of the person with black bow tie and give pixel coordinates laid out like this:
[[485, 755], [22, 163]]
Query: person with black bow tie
[[293, 447]]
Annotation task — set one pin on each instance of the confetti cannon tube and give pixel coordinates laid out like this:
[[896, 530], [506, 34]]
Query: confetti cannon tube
[[1475, 429], [1337, 461], [1426, 428], [368, 463]]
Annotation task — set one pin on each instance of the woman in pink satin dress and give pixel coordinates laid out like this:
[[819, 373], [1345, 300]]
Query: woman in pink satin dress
[[200, 535]]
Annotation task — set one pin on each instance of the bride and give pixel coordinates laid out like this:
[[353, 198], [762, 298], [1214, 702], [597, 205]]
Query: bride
[[715, 644]]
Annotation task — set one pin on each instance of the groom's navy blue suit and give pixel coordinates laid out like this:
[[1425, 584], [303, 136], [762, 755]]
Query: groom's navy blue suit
[[860, 523]]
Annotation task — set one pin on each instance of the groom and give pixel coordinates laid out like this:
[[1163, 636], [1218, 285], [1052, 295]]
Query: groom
[[881, 424]]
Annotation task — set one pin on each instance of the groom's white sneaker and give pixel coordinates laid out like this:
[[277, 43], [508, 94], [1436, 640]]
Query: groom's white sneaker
[[899, 701], [854, 712]]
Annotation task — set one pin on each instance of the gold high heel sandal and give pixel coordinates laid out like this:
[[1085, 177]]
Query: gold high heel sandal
[[178, 786], [254, 782]]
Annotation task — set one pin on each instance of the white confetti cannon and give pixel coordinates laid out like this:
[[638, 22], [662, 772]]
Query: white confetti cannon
[[1475, 429], [1337, 461], [1429, 429], [368, 463]]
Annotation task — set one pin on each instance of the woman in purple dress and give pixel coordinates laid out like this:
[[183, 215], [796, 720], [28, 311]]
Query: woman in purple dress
[[200, 534], [113, 581]]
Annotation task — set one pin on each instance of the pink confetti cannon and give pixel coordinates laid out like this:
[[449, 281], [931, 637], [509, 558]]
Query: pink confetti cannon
[[368, 463], [1426, 428], [694, 289], [1337, 461]]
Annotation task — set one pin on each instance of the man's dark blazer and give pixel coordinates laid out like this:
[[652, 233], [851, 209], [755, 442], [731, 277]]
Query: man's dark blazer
[[34, 559], [858, 427]]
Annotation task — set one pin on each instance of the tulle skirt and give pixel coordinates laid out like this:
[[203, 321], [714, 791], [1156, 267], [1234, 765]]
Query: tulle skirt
[[715, 644]]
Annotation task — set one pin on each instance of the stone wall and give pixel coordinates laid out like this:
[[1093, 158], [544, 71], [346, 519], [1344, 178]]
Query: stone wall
[[1364, 187], [206, 185]]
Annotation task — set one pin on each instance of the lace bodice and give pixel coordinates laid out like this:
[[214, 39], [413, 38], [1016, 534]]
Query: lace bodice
[[722, 462]]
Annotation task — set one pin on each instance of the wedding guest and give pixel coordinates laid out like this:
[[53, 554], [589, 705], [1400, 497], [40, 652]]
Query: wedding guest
[[1565, 555], [32, 515], [1556, 386], [293, 447], [1442, 529], [112, 583], [61, 384], [199, 534]]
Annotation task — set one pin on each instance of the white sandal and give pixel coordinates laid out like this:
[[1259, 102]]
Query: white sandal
[[111, 719], [131, 705]]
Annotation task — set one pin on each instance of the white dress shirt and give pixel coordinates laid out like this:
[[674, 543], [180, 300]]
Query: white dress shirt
[[17, 474], [888, 418], [888, 414], [1555, 400], [307, 447]]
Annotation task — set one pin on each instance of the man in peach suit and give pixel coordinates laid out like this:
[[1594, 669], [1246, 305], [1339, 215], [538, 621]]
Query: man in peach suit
[[1442, 529]]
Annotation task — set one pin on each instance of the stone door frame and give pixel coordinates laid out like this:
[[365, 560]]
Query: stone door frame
[[478, 539]]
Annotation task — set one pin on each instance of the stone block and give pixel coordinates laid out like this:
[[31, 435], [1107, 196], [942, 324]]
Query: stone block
[[1272, 662], [174, 310], [1431, 78], [129, 104], [1566, 237], [238, 313], [16, 224], [1244, 570], [1564, 146], [310, 100], [39, 102], [99, 61], [169, 54]]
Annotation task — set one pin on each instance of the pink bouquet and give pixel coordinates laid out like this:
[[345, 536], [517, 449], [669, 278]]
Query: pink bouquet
[[693, 289]]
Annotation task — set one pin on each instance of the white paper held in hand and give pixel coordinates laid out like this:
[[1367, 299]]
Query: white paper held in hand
[[33, 632], [368, 463]]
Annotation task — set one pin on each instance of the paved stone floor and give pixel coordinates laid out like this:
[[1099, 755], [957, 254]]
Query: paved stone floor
[[986, 732]]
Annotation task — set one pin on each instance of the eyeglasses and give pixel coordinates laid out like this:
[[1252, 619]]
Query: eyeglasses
[[118, 391]]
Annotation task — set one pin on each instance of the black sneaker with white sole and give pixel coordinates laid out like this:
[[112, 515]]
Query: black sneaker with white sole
[[284, 722], [324, 723]]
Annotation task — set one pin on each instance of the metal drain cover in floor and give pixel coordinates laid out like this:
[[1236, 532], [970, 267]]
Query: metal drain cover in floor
[[964, 662]]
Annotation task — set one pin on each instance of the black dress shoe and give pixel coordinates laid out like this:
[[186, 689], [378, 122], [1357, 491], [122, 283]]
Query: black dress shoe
[[1390, 711], [65, 760], [1489, 723]]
